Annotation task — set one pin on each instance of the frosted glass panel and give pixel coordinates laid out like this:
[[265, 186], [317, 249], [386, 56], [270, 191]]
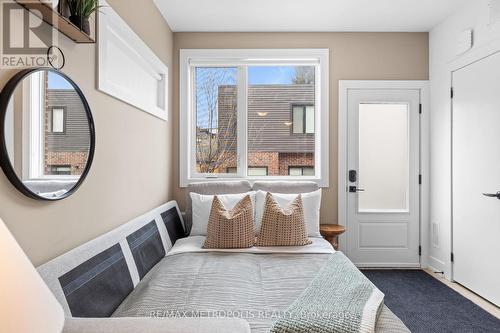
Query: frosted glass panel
[[383, 157]]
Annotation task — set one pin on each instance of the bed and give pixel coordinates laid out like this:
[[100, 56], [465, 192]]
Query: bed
[[255, 284], [148, 268]]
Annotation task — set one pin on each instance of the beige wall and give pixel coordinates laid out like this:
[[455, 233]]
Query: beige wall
[[132, 169], [353, 56]]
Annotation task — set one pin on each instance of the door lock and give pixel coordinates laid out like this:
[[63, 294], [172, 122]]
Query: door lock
[[353, 176]]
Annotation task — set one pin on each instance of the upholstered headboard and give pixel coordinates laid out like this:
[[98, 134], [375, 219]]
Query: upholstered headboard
[[231, 187], [93, 279], [285, 186]]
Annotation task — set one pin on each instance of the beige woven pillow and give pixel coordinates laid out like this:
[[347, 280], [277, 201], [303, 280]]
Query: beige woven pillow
[[230, 229], [283, 226]]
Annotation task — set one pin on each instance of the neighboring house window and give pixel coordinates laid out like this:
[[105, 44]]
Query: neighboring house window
[[235, 114], [257, 171], [59, 170], [301, 171], [56, 120], [303, 119], [231, 170]]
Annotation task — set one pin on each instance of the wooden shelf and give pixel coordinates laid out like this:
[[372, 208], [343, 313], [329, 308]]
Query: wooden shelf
[[59, 22]]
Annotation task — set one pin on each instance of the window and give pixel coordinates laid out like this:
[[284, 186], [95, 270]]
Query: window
[[56, 120], [303, 119], [301, 171], [242, 113], [257, 171], [59, 169], [47, 101], [231, 170], [216, 119]]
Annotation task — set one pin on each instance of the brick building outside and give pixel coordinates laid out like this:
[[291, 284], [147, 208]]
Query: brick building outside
[[66, 137], [280, 130]]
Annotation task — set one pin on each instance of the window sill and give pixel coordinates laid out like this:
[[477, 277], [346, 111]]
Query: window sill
[[56, 177], [322, 183]]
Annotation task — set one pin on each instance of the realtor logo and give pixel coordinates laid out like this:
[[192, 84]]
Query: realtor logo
[[25, 37]]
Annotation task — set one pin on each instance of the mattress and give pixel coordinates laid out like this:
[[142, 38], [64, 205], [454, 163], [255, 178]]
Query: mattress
[[255, 284]]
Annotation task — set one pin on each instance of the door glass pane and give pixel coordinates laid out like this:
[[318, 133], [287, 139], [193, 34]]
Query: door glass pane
[[216, 125], [278, 97], [383, 157]]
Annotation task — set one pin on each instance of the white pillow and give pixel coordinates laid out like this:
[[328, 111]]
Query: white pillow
[[202, 204], [311, 202]]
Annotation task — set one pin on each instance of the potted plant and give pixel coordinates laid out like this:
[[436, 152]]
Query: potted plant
[[80, 11]]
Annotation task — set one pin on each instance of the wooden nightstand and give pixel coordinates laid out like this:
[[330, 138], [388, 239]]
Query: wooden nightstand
[[331, 232]]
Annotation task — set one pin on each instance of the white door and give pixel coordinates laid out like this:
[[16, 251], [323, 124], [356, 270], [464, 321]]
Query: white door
[[383, 177], [476, 170]]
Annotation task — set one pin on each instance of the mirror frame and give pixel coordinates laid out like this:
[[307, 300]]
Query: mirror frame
[[5, 162]]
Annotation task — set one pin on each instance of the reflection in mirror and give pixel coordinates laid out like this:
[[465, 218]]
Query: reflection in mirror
[[47, 134]]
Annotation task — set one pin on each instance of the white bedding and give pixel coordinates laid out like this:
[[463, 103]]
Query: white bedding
[[193, 244]]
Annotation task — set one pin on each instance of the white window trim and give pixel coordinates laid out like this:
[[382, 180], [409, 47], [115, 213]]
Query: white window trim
[[33, 110], [236, 57]]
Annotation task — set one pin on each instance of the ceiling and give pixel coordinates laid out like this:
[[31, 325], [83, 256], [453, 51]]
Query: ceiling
[[305, 15]]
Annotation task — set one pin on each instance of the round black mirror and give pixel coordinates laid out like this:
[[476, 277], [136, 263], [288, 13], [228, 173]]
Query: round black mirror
[[47, 134]]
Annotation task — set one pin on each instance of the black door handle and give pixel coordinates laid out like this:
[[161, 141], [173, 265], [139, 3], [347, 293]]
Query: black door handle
[[354, 189], [492, 195]]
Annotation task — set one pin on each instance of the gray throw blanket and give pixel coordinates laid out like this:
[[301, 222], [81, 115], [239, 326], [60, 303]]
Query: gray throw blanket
[[340, 299]]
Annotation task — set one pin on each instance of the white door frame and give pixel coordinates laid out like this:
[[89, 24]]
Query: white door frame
[[423, 86]]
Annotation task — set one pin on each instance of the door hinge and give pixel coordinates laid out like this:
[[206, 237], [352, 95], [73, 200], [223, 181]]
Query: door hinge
[[452, 257], [420, 108], [451, 92], [419, 250], [419, 179]]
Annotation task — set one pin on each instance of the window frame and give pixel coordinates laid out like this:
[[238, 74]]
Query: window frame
[[242, 58]]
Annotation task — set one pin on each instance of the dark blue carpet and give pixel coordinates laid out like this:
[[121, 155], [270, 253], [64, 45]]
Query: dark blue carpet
[[426, 305]]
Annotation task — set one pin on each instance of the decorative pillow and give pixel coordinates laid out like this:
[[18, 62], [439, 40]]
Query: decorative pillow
[[230, 229], [283, 226], [311, 202], [202, 205]]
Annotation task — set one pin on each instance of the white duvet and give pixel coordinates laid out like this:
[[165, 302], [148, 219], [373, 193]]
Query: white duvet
[[194, 244]]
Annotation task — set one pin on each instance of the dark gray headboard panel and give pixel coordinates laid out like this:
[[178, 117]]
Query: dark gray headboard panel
[[96, 287], [146, 247], [79, 278], [173, 223]]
